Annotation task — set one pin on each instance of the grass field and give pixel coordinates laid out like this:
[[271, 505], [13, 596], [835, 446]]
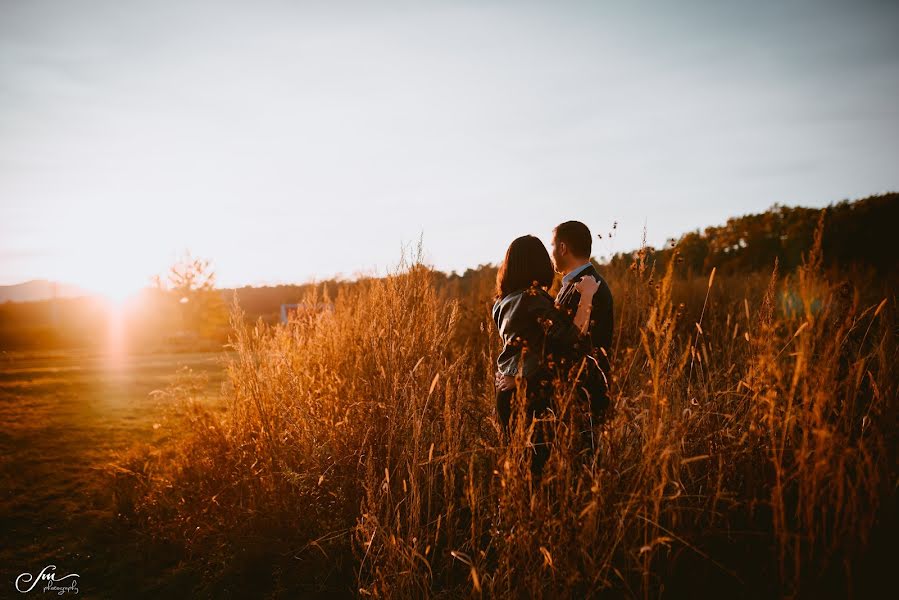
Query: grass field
[[65, 417], [751, 452]]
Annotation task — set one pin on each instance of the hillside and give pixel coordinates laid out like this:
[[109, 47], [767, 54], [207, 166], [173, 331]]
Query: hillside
[[39, 289]]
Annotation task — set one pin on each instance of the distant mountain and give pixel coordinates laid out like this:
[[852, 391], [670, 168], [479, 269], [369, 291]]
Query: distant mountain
[[39, 289]]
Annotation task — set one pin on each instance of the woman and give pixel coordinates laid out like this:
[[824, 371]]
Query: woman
[[537, 337]]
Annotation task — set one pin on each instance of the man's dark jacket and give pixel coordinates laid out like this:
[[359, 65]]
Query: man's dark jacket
[[600, 322]]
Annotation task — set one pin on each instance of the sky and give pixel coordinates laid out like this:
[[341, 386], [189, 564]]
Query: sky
[[292, 141]]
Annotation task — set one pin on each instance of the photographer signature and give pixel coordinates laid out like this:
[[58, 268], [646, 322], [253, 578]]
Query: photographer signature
[[47, 574]]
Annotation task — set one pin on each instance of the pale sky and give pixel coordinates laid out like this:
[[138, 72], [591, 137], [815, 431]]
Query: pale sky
[[288, 141]]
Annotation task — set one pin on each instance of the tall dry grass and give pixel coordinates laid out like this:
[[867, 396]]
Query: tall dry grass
[[751, 451]]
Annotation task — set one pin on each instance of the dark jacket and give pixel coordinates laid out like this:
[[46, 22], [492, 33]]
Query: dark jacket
[[535, 333], [601, 316]]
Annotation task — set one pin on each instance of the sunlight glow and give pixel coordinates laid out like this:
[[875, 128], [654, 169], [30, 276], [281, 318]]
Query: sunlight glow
[[118, 296], [115, 330]]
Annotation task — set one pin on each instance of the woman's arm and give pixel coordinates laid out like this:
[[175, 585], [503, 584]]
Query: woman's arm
[[564, 334], [587, 287]]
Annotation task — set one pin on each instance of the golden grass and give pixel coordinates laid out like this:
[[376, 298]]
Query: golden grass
[[752, 449]]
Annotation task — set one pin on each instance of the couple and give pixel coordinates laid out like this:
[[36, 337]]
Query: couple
[[545, 338]]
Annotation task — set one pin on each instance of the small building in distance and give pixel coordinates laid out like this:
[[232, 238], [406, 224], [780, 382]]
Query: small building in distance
[[304, 309]]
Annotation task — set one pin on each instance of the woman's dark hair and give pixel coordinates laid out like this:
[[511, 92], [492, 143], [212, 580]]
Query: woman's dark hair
[[527, 263]]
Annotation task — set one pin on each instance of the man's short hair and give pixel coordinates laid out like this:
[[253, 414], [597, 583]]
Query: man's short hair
[[576, 236]]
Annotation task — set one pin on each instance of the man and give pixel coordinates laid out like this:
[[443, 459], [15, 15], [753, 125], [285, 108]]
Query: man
[[571, 248]]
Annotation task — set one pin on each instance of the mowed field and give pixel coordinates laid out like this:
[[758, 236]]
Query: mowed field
[[64, 418]]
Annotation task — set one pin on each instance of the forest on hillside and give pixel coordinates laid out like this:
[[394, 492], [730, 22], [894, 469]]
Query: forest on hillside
[[858, 233]]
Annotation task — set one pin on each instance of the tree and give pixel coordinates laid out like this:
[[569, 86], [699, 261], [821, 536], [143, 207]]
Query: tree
[[191, 283]]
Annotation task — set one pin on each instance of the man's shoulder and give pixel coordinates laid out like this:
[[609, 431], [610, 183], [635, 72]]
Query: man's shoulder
[[569, 297], [603, 295], [591, 270]]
